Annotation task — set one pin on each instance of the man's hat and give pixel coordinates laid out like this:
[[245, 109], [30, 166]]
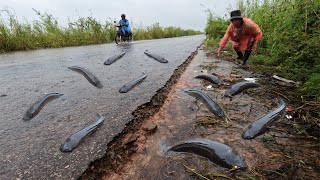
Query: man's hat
[[236, 14]]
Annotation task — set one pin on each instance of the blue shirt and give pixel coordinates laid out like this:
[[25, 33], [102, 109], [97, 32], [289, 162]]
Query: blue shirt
[[125, 28]]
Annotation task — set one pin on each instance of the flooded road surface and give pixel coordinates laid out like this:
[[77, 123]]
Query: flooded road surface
[[31, 149], [182, 117]]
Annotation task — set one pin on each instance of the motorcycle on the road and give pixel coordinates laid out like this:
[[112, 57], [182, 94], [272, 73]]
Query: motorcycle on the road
[[120, 37]]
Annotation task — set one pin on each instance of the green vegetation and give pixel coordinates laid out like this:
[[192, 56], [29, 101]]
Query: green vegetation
[[46, 32], [155, 31], [290, 42], [215, 29]]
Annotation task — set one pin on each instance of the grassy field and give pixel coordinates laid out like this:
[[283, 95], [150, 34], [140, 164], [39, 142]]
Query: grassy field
[[290, 48], [290, 43], [47, 33]]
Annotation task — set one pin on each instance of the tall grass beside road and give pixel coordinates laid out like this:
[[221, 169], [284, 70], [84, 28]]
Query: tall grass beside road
[[156, 31], [290, 47], [291, 38], [47, 33]]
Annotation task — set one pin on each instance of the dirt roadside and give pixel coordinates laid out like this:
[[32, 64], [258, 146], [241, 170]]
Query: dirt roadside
[[278, 154]]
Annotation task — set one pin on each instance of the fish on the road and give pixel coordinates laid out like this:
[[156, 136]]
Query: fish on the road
[[114, 58], [210, 104], [216, 152], [88, 75], [74, 140], [127, 87], [239, 87], [260, 126], [156, 57], [211, 78], [39, 104]]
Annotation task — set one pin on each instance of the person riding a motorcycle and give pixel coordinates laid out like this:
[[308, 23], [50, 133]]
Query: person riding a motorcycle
[[125, 26]]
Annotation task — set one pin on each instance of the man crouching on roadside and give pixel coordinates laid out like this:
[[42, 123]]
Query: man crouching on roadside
[[244, 34]]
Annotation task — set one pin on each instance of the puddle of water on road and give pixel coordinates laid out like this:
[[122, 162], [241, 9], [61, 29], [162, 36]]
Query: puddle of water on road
[[182, 117]]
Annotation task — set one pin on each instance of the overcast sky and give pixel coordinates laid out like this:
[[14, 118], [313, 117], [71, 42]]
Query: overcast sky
[[187, 14]]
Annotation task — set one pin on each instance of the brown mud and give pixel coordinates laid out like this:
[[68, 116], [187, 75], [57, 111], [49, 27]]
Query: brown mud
[[278, 154]]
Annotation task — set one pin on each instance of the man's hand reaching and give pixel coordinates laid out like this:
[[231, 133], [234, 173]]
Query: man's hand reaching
[[218, 52]]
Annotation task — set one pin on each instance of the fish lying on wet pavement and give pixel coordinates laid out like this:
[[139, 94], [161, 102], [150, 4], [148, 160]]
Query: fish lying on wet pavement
[[211, 78], [39, 104], [210, 104], [74, 140], [114, 58], [216, 152], [260, 126], [88, 75], [156, 57], [127, 87], [239, 87]]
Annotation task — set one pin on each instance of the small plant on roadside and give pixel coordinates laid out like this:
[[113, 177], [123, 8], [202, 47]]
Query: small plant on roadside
[[268, 141]]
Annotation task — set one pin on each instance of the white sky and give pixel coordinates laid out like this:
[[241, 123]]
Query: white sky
[[187, 14]]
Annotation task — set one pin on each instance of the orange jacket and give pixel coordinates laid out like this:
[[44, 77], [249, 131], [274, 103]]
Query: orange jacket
[[240, 38]]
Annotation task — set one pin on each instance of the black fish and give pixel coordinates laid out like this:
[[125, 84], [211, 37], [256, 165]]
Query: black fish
[[38, 105], [90, 77], [260, 126], [156, 57], [239, 87], [211, 105], [114, 58], [216, 152], [211, 78], [73, 141], [127, 87]]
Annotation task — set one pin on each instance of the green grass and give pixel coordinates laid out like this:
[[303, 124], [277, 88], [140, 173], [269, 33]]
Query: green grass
[[47, 33], [290, 42], [156, 31]]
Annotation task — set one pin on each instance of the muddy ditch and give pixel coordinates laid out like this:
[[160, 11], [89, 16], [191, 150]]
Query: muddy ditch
[[286, 151]]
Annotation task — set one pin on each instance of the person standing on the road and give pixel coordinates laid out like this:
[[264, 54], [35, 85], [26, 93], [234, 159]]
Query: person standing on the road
[[125, 26], [244, 33]]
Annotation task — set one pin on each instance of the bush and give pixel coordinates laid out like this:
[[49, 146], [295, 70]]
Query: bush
[[291, 37]]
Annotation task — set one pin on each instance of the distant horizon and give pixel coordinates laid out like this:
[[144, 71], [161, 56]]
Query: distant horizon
[[191, 15]]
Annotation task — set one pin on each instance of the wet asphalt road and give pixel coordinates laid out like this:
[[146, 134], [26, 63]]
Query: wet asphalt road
[[30, 150]]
